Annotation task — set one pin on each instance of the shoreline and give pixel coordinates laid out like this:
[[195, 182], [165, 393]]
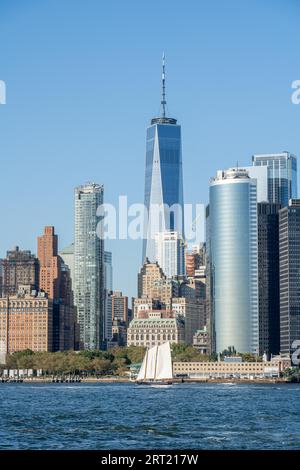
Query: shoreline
[[126, 380]]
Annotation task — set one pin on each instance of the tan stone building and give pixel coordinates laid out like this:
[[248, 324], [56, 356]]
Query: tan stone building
[[155, 328], [26, 323], [149, 273], [229, 369]]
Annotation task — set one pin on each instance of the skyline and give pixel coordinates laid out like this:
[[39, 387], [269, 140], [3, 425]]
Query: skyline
[[73, 112]]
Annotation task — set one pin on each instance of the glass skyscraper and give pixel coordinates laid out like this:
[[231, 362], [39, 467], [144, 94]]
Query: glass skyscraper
[[282, 176], [170, 253], [289, 266], [233, 263], [163, 179], [89, 265], [268, 278]]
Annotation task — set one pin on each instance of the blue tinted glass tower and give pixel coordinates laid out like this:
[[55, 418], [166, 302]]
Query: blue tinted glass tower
[[163, 178]]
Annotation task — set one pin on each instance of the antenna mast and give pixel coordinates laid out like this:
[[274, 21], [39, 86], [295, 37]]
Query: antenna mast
[[163, 82]]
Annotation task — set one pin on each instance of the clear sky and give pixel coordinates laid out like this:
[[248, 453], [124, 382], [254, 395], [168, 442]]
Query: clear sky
[[83, 81]]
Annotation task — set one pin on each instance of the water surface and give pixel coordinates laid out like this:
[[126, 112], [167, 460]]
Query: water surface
[[127, 416]]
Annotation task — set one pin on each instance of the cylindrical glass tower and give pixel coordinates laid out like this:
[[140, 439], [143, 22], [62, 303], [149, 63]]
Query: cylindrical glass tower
[[233, 260]]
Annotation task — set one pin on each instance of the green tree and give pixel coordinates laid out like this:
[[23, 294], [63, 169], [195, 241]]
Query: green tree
[[102, 366]]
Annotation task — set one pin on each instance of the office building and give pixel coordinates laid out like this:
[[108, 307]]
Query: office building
[[19, 268], [67, 255], [282, 176], [89, 265], [192, 311], [260, 173], [268, 278], [119, 333], [149, 273], [108, 271], [50, 263], [169, 248], [26, 322], [289, 269], [107, 321], [233, 263], [55, 280], [119, 307], [163, 178], [194, 259]]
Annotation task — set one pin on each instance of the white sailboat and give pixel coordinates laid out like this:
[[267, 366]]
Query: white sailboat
[[156, 367]]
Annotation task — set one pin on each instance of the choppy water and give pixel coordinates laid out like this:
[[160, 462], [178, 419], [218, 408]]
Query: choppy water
[[127, 416]]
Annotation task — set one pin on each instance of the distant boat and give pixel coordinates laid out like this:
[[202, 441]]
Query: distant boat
[[156, 368]]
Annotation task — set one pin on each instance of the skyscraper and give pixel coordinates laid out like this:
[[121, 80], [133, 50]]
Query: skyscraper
[[67, 255], [108, 270], [289, 265], [89, 265], [119, 307], [232, 253], [163, 178], [169, 248], [50, 263], [282, 176], [108, 287], [268, 278], [55, 280]]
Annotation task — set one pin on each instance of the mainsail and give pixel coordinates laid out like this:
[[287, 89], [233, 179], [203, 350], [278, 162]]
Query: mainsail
[[157, 364], [164, 362]]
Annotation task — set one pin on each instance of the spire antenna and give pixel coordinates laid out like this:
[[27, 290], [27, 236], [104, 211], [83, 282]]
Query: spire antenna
[[163, 83]]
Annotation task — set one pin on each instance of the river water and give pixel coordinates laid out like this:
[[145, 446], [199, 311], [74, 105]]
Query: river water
[[128, 416]]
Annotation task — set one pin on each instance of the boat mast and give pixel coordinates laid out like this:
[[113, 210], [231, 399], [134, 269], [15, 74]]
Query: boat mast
[[146, 364], [155, 362]]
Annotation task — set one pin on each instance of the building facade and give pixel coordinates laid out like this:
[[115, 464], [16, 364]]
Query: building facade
[[223, 369], [192, 311], [149, 273], [108, 271], [289, 266], [55, 280], [19, 268], [50, 263], [268, 278], [89, 265], [170, 249], [200, 340], [155, 328], [194, 259], [26, 322], [119, 307], [67, 255], [282, 175], [163, 178], [233, 285]]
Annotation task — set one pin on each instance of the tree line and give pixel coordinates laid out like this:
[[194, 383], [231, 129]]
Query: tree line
[[116, 361]]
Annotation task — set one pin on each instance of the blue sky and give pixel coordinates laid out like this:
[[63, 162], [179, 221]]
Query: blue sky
[[83, 81]]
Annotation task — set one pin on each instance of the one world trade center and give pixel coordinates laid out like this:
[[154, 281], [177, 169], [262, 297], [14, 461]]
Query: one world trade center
[[163, 178]]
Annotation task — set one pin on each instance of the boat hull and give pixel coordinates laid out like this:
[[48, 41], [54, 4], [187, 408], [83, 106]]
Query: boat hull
[[153, 382]]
